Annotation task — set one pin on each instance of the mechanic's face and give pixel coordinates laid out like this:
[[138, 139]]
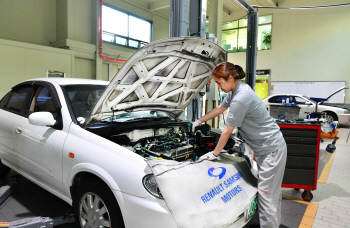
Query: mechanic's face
[[224, 85]]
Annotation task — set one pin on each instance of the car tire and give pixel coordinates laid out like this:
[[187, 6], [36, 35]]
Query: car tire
[[91, 198], [330, 117], [4, 170]]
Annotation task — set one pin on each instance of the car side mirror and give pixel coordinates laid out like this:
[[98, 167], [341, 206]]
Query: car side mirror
[[42, 119]]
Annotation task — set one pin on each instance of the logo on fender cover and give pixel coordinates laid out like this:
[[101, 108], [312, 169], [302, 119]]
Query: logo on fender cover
[[221, 175]]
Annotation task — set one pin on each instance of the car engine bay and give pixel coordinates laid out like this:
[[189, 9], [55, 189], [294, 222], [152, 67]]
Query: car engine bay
[[173, 142]]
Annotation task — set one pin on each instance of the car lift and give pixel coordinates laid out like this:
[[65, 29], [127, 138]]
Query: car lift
[[36, 222]]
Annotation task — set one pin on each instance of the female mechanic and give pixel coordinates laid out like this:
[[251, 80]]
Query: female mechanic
[[248, 113]]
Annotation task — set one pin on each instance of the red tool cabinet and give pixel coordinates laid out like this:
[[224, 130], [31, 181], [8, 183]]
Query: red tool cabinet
[[303, 142]]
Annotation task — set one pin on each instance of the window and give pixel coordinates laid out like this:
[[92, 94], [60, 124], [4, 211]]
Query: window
[[234, 34], [124, 29], [279, 99], [299, 100], [17, 99], [83, 98], [42, 102], [5, 99]]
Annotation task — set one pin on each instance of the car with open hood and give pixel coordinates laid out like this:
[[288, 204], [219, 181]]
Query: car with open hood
[[87, 141], [307, 105]]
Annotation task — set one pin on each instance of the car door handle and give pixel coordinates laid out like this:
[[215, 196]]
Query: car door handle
[[19, 129]]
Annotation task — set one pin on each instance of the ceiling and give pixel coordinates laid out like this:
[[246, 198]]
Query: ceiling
[[231, 10]]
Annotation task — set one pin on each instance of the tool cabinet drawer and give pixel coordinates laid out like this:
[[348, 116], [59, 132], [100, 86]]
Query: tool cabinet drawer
[[299, 176], [301, 162], [300, 140], [310, 133], [301, 150]]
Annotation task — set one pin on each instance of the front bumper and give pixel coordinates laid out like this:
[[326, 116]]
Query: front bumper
[[151, 212], [147, 212], [344, 118]]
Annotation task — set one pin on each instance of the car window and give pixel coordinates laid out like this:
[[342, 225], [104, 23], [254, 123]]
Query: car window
[[83, 98], [278, 99], [299, 100], [5, 99], [17, 99], [43, 102]]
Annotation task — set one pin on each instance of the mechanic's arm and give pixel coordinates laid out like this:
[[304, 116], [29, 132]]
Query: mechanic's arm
[[212, 114], [225, 135]]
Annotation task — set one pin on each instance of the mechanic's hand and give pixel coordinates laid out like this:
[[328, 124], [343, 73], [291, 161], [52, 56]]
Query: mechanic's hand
[[208, 156], [196, 124]]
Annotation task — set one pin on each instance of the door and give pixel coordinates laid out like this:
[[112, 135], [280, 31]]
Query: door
[[305, 105], [11, 110], [39, 148]]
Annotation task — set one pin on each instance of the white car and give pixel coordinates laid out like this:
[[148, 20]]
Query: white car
[[307, 106], [86, 141]]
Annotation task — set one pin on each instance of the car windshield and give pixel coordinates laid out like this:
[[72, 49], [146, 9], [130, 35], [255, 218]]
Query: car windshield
[[308, 98], [139, 115], [83, 98]]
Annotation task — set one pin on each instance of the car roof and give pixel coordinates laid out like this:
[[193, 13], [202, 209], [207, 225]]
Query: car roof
[[71, 81]]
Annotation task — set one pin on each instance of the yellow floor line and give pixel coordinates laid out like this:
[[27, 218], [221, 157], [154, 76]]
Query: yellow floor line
[[325, 172], [327, 168], [309, 214], [295, 199]]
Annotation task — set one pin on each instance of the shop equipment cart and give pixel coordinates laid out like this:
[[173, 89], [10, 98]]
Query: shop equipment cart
[[303, 141]]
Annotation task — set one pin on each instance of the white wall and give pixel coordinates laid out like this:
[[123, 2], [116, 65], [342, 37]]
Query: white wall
[[21, 61], [307, 45]]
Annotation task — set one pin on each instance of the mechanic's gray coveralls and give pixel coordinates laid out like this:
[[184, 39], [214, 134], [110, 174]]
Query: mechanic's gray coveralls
[[259, 130]]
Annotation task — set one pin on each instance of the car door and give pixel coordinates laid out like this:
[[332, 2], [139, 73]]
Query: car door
[[39, 148], [11, 111], [305, 105]]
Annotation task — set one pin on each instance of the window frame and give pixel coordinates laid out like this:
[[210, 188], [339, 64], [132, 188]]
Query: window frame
[[124, 37], [246, 27]]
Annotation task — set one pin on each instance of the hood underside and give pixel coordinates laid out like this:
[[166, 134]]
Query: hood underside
[[163, 75]]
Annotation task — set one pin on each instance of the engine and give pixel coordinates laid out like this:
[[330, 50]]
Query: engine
[[176, 142]]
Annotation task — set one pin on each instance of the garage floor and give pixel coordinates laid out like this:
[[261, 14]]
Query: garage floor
[[330, 206]]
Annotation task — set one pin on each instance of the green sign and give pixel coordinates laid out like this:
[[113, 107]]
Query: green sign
[[252, 209]]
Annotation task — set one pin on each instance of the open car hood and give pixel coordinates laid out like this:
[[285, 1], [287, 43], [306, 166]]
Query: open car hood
[[163, 75], [335, 92]]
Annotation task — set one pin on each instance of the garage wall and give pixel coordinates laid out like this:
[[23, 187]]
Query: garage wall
[[21, 61], [32, 21], [63, 24], [307, 45]]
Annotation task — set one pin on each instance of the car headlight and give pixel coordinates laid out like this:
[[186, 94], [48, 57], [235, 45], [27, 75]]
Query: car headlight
[[347, 112], [150, 184]]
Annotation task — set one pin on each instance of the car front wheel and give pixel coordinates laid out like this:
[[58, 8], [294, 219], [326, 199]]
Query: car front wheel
[[96, 207]]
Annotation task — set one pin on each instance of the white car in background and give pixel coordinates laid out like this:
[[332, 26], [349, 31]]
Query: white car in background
[[308, 106], [87, 141]]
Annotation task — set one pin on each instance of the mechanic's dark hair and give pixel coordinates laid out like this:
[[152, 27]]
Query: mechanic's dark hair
[[225, 69]]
